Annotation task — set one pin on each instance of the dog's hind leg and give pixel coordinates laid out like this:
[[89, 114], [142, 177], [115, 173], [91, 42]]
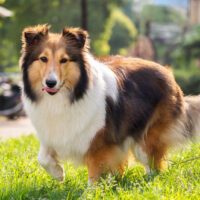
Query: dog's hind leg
[[150, 156], [47, 159], [152, 149], [105, 160]]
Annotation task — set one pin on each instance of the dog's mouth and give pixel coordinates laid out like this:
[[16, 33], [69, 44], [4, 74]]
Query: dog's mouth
[[50, 91]]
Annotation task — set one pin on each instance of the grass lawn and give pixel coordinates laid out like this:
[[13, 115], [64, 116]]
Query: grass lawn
[[21, 177]]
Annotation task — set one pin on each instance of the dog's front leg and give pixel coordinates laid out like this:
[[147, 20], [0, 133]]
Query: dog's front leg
[[47, 159]]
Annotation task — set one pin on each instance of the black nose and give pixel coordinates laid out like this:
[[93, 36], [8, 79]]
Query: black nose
[[51, 83]]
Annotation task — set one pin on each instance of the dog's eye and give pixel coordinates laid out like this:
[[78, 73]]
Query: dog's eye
[[63, 60], [44, 59]]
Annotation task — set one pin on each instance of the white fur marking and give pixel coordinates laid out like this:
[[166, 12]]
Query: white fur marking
[[141, 156], [109, 77]]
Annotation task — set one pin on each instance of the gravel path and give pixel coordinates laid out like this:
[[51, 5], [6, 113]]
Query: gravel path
[[15, 128]]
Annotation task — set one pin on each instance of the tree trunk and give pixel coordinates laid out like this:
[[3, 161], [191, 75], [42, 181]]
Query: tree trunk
[[84, 14]]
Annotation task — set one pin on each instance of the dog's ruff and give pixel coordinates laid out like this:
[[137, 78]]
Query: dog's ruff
[[81, 119]]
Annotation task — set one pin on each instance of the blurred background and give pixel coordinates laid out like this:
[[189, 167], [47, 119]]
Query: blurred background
[[166, 31]]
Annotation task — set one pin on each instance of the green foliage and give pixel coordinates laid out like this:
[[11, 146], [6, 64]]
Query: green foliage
[[191, 44], [188, 80], [120, 33], [162, 14], [32, 12], [188, 50], [21, 177], [192, 37], [7, 55], [98, 12], [57, 13], [123, 33]]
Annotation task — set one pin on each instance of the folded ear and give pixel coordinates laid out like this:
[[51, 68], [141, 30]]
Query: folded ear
[[33, 35], [78, 36]]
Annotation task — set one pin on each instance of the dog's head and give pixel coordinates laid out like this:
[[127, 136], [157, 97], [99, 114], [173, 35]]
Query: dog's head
[[52, 61]]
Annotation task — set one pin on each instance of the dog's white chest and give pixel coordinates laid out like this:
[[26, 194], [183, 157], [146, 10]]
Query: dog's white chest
[[68, 129]]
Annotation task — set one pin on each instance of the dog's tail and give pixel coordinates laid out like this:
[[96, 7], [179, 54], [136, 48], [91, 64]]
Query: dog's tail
[[192, 115], [187, 127]]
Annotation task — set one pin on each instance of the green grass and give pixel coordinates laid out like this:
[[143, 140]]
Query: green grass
[[21, 177]]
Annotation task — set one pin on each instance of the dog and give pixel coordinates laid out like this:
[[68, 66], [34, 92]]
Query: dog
[[94, 111]]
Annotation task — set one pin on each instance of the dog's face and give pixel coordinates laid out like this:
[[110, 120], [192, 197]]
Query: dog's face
[[52, 61]]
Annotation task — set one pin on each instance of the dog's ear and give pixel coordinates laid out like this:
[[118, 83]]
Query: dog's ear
[[33, 35], [77, 36]]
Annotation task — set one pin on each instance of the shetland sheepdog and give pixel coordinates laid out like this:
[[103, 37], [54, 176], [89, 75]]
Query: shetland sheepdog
[[94, 111]]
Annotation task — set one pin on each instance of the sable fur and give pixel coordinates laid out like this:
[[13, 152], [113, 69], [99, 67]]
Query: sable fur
[[103, 108]]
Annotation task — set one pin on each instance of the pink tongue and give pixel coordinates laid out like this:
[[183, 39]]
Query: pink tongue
[[49, 90]]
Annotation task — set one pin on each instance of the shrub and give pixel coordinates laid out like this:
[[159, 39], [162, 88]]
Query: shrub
[[120, 33], [189, 81]]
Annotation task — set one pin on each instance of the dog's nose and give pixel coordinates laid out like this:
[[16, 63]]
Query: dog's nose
[[51, 83]]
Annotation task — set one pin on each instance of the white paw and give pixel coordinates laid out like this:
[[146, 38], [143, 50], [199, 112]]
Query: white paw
[[58, 173]]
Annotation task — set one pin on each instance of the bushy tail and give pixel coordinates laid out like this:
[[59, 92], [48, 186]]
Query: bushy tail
[[187, 126], [192, 116]]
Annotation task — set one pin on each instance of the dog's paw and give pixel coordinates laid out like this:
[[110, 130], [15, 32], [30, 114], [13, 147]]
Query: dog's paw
[[58, 173], [60, 179]]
